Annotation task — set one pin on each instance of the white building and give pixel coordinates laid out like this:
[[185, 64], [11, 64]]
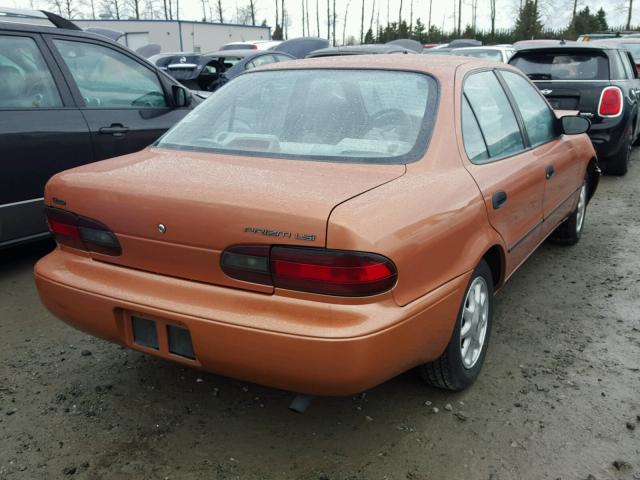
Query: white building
[[179, 35]]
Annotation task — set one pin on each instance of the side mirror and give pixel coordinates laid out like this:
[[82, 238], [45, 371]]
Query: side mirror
[[575, 125], [181, 96]]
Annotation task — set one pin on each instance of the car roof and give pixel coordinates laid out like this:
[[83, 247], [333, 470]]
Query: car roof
[[23, 27], [444, 65], [236, 53], [572, 46], [616, 40], [484, 47], [367, 49]]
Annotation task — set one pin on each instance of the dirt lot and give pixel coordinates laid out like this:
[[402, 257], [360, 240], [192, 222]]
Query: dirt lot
[[559, 396]]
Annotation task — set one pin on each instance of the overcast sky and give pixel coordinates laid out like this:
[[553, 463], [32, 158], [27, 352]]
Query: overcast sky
[[555, 13]]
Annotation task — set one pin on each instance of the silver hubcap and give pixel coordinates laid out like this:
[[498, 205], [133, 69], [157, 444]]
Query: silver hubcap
[[582, 204], [475, 316]]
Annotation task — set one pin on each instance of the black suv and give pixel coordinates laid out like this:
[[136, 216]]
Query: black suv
[[69, 97], [600, 82]]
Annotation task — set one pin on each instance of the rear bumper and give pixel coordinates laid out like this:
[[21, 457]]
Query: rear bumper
[[306, 346], [608, 137]]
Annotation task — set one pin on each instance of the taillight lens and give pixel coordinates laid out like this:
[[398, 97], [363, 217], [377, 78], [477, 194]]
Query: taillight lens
[[81, 232], [249, 263], [610, 102], [316, 270]]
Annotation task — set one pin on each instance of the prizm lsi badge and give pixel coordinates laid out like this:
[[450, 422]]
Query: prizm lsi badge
[[280, 234]]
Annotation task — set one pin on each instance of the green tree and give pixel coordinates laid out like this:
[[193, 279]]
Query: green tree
[[368, 37], [418, 31], [584, 22], [277, 33], [602, 20], [528, 24]]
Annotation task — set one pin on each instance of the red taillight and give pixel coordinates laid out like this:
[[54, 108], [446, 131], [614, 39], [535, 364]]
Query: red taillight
[[81, 232], [317, 270], [254, 46], [638, 68], [610, 102]]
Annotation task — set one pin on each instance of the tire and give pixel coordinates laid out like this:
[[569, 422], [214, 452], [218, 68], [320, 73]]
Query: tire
[[453, 370], [569, 231], [619, 163]]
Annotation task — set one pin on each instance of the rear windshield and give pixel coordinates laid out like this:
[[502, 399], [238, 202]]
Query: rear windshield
[[368, 116], [239, 46], [486, 54], [563, 65]]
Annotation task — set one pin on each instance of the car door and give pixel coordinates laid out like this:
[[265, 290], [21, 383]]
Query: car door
[[510, 175], [557, 153], [122, 97], [42, 132], [630, 86]]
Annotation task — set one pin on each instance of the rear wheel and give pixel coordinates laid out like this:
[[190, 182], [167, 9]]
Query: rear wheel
[[619, 163], [569, 231], [460, 364]]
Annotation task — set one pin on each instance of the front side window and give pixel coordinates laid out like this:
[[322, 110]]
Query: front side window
[[366, 116], [107, 78], [493, 111], [25, 79], [539, 119]]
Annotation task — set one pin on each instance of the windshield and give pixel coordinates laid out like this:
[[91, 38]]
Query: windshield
[[563, 65], [486, 54], [337, 115]]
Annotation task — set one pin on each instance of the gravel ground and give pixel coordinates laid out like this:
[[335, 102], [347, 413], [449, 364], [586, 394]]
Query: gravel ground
[[559, 396]]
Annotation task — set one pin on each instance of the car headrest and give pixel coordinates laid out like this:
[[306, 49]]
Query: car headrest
[[12, 82]]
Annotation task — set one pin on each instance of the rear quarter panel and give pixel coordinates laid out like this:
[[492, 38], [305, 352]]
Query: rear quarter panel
[[431, 222]]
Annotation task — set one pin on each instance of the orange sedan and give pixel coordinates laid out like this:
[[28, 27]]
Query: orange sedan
[[321, 226]]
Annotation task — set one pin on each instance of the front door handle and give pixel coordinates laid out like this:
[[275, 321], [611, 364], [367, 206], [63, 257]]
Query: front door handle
[[499, 199], [549, 171], [116, 129]]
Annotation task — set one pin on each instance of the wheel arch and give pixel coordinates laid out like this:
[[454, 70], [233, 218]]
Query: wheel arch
[[593, 177], [495, 258]]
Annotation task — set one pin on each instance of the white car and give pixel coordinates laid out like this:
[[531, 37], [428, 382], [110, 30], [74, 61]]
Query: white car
[[251, 45], [499, 53]]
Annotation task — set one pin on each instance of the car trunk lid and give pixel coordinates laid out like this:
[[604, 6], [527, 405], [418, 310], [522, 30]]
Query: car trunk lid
[[570, 78], [174, 212], [580, 96]]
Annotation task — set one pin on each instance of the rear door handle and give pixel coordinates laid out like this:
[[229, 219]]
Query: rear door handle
[[499, 199], [116, 129], [549, 171]]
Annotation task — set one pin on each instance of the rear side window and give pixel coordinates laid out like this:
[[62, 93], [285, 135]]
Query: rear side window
[[261, 60], [563, 65], [472, 136], [634, 48], [538, 118], [493, 111], [626, 64], [109, 79], [25, 79]]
